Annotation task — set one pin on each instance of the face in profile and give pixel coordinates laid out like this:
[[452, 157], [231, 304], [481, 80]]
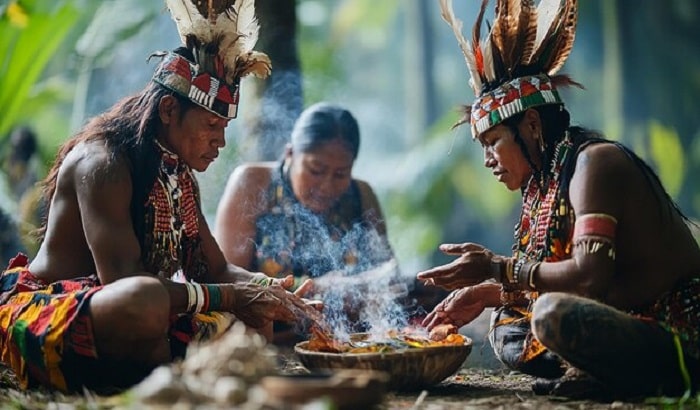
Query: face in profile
[[319, 177], [196, 137], [503, 155]]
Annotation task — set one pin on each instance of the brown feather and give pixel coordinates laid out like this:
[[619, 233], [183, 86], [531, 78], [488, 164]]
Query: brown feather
[[527, 31], [466, 114], [565, 38], [563, 81], [548, 16]]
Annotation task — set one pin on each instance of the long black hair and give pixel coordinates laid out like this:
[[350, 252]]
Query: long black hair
[[128, 128], [555, 120]]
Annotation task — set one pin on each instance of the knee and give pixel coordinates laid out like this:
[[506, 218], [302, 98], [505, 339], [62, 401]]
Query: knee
[[139, 303], [548, 314]]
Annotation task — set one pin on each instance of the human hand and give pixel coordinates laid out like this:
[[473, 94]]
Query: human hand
[[458, 308], [305, 289], [257, 305], [262, 279], [473, 266]]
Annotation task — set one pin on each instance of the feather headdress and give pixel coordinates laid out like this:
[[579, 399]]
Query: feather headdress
[[220, 36], [514, 68]]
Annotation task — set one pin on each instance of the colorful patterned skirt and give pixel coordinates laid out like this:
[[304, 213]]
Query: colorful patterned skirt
[[46, 333], [678, 311]]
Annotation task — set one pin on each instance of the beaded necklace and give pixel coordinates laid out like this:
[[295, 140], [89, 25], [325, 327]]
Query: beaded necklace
[[172, 239], [544, 230]]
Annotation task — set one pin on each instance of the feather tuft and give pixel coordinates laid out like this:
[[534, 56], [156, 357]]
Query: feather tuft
[[221, 35]]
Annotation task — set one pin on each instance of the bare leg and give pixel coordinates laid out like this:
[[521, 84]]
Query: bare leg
[[629, 355], [130, 320]]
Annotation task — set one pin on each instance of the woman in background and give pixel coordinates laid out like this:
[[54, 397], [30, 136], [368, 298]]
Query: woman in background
[[307, 216]]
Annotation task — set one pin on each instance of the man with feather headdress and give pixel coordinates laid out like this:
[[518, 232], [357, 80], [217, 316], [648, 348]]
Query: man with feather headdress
[[100, 305], [603, 287]]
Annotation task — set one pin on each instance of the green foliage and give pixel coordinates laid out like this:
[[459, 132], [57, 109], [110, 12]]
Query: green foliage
[[667, 152], [30, 33], [356, 15], [105, 31]]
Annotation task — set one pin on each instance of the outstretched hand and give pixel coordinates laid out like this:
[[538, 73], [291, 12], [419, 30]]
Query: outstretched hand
[[459, 308], [473, 266], [257, 304]]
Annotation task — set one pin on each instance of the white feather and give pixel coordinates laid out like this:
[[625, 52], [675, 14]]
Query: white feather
[[188, 20], [487, 48], [547, 10], [447, 13]]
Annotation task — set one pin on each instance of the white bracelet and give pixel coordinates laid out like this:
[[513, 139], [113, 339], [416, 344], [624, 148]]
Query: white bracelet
[[200, 297], [191, 296]]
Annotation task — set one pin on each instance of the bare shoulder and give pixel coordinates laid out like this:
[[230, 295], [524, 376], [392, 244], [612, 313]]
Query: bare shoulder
[[603, 158], [247, 185], [253, 174], [91, 164], [602, 179]]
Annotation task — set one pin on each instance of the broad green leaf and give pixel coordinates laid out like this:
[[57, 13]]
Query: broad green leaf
[[29, 50]]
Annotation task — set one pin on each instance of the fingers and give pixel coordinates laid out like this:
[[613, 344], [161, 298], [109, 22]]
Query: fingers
[[458, 249], [428, 319], [436, 272], [305, 288], [316, 304], [437, 317], [287, 282]]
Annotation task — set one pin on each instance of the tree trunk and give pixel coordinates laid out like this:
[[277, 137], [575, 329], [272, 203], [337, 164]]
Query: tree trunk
[[276, 102], [420, 99]]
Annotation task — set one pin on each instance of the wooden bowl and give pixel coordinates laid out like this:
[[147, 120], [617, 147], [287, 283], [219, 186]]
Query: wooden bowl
[[346, 389], [408, 369]]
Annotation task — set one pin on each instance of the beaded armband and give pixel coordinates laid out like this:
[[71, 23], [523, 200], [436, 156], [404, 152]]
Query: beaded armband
[[594, 233]]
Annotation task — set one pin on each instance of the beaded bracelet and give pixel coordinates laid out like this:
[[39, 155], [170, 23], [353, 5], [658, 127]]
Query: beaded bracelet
[[526, 274], [501, 268], [203, 297]]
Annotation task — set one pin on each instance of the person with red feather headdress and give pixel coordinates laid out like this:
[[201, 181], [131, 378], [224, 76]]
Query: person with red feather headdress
[[602, 290], [128, 273]]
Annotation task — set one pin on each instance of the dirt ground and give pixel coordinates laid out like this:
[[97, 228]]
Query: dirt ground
[[470, 388]]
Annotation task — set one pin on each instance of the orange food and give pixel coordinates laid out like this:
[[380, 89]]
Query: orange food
[[440, 332], [393, 341]]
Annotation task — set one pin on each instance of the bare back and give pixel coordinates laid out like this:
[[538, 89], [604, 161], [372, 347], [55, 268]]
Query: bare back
[[654, 246]]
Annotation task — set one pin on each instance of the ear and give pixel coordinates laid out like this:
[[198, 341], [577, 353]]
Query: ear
[[532, 122], [288, 151], [168, 109]]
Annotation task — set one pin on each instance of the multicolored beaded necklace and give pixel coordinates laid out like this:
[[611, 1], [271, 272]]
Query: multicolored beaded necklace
[[546, 221], [172, 239], [543, 233]]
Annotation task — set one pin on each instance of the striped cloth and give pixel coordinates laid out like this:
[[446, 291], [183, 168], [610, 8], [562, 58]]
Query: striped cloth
[[46, 334]]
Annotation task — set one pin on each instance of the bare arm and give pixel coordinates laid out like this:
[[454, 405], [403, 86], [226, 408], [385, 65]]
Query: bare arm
[[598, 186], [103, 189], [242, 201], [371, 210]]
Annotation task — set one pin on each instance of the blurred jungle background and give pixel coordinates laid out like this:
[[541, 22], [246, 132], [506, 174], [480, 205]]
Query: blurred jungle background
[[394, 63]]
